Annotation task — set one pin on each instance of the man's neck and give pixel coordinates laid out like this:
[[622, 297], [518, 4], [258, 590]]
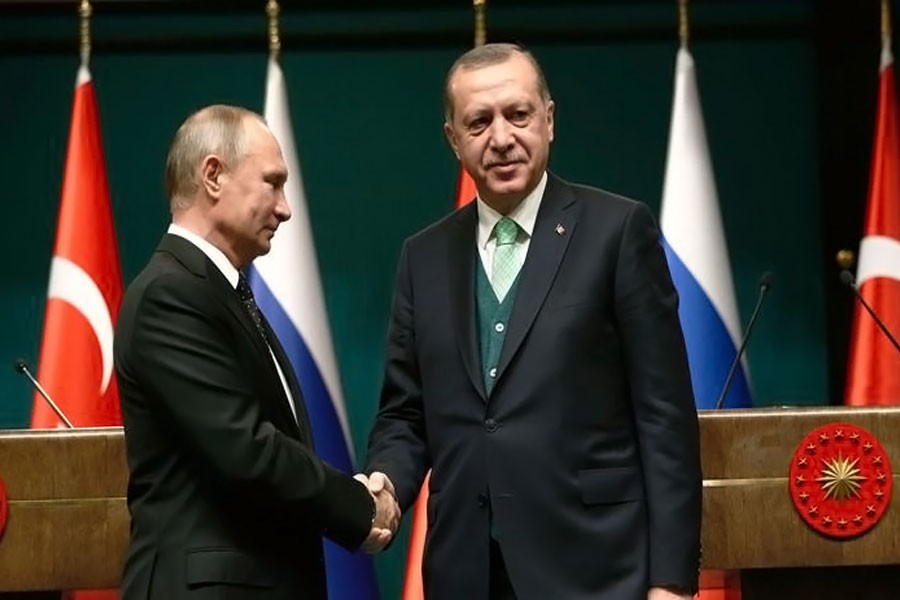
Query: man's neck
[[204, 229]]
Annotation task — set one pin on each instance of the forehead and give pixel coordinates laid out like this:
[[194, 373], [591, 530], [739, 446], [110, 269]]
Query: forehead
[[261, 144], [514, 75]]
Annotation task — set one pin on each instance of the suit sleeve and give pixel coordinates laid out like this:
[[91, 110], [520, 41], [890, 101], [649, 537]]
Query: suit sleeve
[[665, 416], [184, 351], [398, 442]]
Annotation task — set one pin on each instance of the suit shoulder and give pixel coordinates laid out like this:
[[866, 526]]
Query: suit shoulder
[[599, 199], [440, 229], [165, 277]]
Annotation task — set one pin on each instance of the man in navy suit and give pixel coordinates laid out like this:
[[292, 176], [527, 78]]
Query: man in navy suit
[[536, 364], [228, 499]]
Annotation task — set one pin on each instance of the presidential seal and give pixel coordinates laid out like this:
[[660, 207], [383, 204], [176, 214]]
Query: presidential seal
[[840, 480]]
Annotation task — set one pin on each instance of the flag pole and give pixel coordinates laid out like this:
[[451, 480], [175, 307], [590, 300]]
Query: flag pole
[[480, 26], [85, 11], [683, 25], [273, 10]]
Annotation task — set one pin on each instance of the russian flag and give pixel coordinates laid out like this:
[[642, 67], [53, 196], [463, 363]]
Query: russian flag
[[287, 288], [695, 246]]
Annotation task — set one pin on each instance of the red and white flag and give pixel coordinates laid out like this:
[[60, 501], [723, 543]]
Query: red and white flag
[[412, 581], [85, 290], [873, 372]]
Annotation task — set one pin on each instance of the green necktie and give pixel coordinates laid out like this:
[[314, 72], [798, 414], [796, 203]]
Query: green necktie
[[507, 257]]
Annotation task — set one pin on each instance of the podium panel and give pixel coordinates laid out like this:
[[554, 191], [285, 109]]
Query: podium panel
[[67, 525]]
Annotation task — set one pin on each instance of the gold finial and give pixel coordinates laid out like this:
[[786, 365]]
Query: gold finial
[[845, 258], [84, 11], [480, 27], [272, 9], [885, 23], [683, 30]]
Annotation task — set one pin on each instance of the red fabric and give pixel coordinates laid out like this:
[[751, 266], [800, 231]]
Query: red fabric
[[873, 372], [720, 585], [465, 189], [71, 362], [412, 581]]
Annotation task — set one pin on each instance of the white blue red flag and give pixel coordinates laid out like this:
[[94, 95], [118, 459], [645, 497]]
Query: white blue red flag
[[695, 245], [287, 288]]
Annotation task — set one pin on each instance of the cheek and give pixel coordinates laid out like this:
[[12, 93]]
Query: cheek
[[472, 151]]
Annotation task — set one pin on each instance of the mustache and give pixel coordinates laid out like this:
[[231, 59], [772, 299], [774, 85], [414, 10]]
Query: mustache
[[502, 162]]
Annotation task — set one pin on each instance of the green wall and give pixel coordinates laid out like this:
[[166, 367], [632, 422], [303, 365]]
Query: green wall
[[376, 166]]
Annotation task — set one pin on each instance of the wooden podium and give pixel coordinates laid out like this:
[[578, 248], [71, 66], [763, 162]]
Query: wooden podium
[[750, 523], [68, 524]]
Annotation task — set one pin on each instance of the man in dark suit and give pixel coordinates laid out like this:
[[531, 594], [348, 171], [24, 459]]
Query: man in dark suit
[[535, 363], [227, 497]]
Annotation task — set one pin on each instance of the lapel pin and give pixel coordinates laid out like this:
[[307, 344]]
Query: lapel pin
[[560, 230]]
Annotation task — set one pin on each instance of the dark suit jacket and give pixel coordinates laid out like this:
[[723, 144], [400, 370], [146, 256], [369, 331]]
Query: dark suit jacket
[[584, 461], [226, 495]]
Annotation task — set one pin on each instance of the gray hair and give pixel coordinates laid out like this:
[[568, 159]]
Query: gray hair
[[487, 56], [217, 129]]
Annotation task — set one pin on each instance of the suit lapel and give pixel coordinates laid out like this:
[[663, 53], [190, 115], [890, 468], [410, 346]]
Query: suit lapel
[[461, 258], [300, 424], [197, 262], [553, 229]]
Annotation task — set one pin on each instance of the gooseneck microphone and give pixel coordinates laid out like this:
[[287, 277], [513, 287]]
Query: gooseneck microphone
[[22, 368], [765, 284], [848, 280]]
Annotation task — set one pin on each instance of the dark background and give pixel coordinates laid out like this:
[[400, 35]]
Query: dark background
[[788, 91]]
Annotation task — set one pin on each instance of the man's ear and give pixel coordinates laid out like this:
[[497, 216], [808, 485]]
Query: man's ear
[[551, 113], [211, 170], [451, 139]]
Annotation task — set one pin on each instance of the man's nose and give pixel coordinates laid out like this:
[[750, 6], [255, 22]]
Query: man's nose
[[501, 134], [282, 208]]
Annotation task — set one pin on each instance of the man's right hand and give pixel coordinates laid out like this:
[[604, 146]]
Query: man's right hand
[[387, 511]]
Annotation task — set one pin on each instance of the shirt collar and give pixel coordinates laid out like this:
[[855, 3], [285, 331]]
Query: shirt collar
[[525, 214], [217, 257]]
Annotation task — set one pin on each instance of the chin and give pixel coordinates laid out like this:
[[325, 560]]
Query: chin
[[264, 248]]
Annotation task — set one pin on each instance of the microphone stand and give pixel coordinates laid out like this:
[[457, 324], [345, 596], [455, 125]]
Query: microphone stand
[[765, 283], [22, 368]]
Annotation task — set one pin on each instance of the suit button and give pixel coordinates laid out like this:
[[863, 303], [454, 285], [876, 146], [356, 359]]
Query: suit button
[[491, 425], [482, 500]]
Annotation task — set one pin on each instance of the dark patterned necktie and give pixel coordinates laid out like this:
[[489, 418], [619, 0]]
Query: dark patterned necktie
[[246, 296]]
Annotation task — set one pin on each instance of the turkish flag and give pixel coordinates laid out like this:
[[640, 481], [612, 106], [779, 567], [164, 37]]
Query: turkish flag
[[85, 290], [873, 372]]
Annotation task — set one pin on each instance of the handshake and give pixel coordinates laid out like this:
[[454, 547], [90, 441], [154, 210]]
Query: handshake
[[387, 511]]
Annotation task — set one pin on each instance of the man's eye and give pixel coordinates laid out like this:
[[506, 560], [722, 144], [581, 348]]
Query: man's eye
[[520, 116]]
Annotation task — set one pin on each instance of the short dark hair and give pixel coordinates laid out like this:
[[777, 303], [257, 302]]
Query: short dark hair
[[216, 129], [486, 56]]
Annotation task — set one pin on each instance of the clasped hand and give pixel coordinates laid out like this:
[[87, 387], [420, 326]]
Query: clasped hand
[[387, 511]]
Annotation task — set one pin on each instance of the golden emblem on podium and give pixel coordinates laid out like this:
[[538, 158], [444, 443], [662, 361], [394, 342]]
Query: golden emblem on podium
[[840, 480]]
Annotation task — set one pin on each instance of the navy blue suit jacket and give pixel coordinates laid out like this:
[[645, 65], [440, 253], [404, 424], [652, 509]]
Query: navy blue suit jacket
[[584, 460]]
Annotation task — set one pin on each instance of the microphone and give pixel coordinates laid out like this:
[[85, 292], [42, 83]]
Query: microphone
[[848, 280], [22, 368], [765, 284]]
